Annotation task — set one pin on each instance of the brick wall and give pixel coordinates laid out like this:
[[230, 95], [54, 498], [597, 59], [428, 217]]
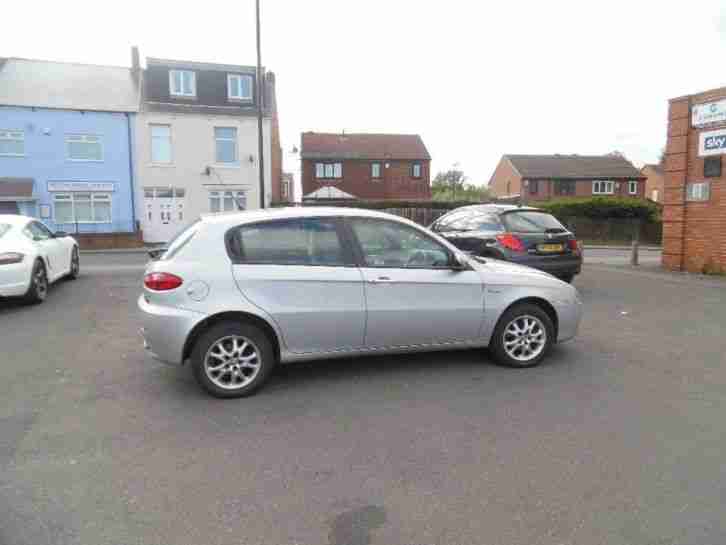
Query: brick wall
[[505, 180], [655, 182], [694, 233], [396, 181]]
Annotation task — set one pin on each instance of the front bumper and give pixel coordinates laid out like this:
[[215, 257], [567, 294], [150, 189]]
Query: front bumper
[[569, 316], [165, 330]]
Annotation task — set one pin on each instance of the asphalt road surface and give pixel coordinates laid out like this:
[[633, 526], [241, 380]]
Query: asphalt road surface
[[619, 438]]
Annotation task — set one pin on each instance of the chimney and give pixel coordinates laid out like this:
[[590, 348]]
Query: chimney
[[135, 65]]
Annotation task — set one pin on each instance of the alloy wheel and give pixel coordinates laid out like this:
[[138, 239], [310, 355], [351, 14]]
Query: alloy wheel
[[524, 338], [232, 362]]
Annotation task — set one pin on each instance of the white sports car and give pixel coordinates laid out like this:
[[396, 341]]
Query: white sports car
[[32, 257]]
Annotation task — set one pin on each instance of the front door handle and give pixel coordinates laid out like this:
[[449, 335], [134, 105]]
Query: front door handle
[[380, 280]]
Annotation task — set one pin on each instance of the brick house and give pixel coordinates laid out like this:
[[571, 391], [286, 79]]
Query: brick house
[[544, 177], [694, 214], [654, 183], [365, 166]]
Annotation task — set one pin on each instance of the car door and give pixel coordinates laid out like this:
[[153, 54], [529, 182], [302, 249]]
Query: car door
[[413, 295], [302, 273], [53, 250]]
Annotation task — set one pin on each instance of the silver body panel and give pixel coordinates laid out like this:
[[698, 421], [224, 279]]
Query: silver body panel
[[323, 312]]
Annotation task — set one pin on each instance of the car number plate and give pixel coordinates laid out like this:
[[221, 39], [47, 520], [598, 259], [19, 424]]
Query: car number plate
[[550, 248]]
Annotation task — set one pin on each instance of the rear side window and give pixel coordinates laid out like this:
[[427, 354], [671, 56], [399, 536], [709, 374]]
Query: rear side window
[[180, 240], [304, 241], [528, 221], [4, 228]]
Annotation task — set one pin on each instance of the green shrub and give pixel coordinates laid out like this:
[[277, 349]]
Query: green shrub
[[602, 208]]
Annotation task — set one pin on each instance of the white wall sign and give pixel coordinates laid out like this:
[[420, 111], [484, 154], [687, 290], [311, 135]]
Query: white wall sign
[[80, 186], [710, 112], [712, 143]]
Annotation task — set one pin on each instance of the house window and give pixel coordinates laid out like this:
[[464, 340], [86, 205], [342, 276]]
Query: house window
[[285, 189], [227, 201], [375, 170], [533, 187], [160, 144], [84, 147], [82, 207], [633, 187], [416, 170], [712, 167], [239, 87], [12, 143], [565, 187], [182, 83], [603, 187], [654, 195], [328, 170], [700, 191], [226, 144]]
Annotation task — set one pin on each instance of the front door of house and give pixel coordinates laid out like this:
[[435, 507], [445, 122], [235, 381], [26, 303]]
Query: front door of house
[[164, 214]]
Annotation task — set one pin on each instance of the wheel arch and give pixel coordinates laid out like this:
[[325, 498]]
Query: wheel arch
[[230, 316], [542, 303]]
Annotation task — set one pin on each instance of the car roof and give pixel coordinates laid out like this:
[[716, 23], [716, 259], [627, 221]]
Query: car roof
[[15, 219], [250, 216]]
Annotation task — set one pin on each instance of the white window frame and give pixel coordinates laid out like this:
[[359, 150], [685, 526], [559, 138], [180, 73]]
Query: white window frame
[[234, 77], [285, 189], [414, 168], [6, 134], [181, 92], [603, 187], [379, 174], [633, 187], [217, 139], [151, 144], [329, 171], [220, 194], [698, 191], [77, 137], [96, 196]]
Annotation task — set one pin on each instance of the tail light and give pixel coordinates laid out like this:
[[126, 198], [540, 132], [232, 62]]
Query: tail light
[[10, 258], [511, 242], [574, 246], [160, 281]]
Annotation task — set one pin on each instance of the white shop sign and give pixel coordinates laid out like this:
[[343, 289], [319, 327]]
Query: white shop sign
[[712, 143], [80, 186], [710, 112]]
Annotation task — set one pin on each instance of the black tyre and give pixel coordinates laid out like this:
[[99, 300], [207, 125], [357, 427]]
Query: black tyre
[[38, 290], [232, 359], [75, 264], [523, 336]]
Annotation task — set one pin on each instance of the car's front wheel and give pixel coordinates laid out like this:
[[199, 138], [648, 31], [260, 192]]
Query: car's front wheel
[[232, 359], [75, 269], [523, 336], [38, 290]]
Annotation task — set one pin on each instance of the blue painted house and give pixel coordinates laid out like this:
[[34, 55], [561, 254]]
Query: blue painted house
[[66, 144]]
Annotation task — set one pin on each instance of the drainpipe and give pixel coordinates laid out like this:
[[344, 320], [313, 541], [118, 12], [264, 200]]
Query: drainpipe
[[131, 171]]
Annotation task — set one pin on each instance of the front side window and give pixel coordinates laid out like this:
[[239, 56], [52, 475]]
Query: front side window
[[393, 245], [416, 170], [225, 139], [160, 144], [375, 170], [182, 83], [633, 187], [12, 143], [227, 201], [38, 231], [304, 241], [239, 87], [603, 187], [329, 170], [84, 147], [82, 207], [700, 191]]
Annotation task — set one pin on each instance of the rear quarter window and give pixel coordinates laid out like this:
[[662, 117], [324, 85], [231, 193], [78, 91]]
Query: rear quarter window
[[4, 228], [531, 222], [180, 240]]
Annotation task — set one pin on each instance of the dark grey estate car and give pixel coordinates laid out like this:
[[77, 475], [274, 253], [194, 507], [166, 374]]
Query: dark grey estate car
[[523, 235]]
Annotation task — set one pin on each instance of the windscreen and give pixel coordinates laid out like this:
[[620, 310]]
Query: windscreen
[[530, 221]]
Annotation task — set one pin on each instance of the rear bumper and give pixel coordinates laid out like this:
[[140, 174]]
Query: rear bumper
[[15, 279], [555, 265], [165, 330]]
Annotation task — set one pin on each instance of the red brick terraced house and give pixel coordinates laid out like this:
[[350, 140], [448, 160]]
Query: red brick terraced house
[[694, 213], [364, 166], [544, 177]]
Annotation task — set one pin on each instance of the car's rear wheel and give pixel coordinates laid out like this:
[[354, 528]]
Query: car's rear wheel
[[38, 290], [232, 359], [523, 336], [75, 264]]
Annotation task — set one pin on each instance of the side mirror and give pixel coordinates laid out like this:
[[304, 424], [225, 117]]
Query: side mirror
[[60, 234], [459, 263]]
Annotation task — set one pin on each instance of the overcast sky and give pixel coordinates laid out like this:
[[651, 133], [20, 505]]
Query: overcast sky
[[475, 79]]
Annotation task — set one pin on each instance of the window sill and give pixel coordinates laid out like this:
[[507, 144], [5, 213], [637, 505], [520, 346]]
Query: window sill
[[12, 155], [240, 100], [85, 160], [235, 166], [83, 222], [161, 165], [183, 97]]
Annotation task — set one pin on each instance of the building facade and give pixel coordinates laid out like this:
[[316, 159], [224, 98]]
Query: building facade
[[197, 143], [654, 183], [545, 177], [66, 139], [694, 214], [365, 166]]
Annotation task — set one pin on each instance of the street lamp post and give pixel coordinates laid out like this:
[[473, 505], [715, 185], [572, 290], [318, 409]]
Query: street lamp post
[[260, 95]]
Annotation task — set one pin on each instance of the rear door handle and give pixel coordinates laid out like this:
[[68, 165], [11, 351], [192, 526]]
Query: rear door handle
[[380, 280]]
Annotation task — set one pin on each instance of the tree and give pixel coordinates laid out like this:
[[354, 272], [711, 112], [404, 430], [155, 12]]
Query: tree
[[451, 186]]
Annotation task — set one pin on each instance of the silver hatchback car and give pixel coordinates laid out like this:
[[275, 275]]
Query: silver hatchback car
[[238, 293]]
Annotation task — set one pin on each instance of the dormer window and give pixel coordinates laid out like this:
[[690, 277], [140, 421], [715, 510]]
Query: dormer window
[[239, 87], [182, 83]]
